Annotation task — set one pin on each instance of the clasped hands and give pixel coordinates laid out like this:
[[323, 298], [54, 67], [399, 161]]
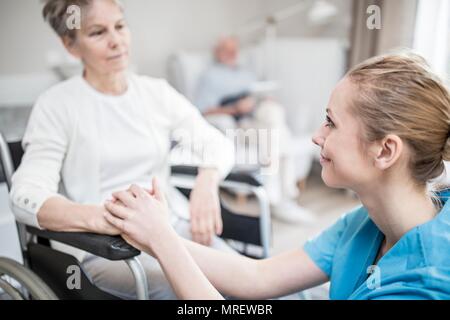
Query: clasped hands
[[141, 216]]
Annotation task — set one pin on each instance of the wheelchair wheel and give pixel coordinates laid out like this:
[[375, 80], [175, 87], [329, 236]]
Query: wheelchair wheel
[[20, 283]]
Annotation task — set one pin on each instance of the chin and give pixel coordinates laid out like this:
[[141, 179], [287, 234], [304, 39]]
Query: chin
[[119, 68], [330, 181], [119, 65]]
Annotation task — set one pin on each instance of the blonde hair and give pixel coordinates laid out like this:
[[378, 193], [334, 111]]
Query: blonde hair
[[397, 93], [55, 13]]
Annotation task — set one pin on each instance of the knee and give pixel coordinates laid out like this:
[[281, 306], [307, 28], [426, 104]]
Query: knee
[[222, 122], [159, 287]]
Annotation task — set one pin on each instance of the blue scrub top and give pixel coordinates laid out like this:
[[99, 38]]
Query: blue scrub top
[[416, 267]]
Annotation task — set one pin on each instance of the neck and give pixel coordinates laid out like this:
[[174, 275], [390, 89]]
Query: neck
[[397, 208], [109, 83]]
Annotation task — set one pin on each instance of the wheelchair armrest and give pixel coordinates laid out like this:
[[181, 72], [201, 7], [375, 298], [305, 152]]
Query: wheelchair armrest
[[109, 247], [242, 176]]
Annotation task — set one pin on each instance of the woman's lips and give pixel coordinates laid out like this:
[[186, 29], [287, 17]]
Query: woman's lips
[[117, 56], [323, 159]]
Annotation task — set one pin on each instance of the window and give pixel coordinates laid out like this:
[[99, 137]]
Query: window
[[432, 34]]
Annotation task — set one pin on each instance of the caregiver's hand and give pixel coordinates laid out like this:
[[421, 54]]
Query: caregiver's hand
[[204, 206], [141, 216]]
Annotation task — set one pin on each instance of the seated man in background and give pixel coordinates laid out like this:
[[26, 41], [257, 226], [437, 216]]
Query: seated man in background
[[224, 97]]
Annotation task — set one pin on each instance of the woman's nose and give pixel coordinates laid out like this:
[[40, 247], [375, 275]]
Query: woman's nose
[[318, 138], [113, 40]]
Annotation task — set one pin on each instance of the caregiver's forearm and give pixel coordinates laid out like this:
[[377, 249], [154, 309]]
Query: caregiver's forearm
[[184, 275], [232, 274], [241, 277]]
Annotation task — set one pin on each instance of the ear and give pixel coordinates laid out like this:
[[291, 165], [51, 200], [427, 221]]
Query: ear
[[70, 45], [388, 151]]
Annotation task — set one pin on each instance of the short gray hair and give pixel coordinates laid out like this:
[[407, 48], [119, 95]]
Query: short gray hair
[[55, 13]]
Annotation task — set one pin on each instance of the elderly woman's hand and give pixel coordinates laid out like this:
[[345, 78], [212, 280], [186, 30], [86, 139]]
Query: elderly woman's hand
[[141, 216], [206, 220], [99, 224]]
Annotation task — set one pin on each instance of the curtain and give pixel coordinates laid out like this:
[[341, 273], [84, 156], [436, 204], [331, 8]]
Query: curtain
[[397, 28]]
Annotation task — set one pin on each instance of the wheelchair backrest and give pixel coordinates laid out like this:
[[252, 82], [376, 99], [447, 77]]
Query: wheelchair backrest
[[11, 154]]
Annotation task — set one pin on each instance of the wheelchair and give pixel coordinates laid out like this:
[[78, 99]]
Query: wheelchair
[[47, 268], [20, 283]]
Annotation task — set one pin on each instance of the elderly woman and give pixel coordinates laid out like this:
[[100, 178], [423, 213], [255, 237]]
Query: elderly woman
[[103, 131], [385, 136]]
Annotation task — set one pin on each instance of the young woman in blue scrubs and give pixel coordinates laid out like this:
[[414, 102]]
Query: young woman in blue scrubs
[[385, 137]]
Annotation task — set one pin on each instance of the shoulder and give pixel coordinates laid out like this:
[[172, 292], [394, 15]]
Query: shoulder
[[435, 241], [62, 94], [57, 98], [348, 225], [354, 224], [63, 89], [211, 71], [355, 217], [244, 71]]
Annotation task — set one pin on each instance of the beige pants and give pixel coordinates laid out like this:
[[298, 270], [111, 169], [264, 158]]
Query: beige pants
[[116, 278]]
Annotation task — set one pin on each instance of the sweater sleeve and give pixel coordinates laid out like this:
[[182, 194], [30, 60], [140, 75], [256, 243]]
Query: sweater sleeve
[[207, 147], [38, 176]]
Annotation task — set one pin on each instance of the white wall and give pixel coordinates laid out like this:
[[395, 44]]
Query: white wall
[[159, 27], [24, 37]]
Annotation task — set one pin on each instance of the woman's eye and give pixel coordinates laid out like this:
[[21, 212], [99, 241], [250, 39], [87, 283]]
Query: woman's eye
[[96, 33], [119, 27], [328, 122]]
